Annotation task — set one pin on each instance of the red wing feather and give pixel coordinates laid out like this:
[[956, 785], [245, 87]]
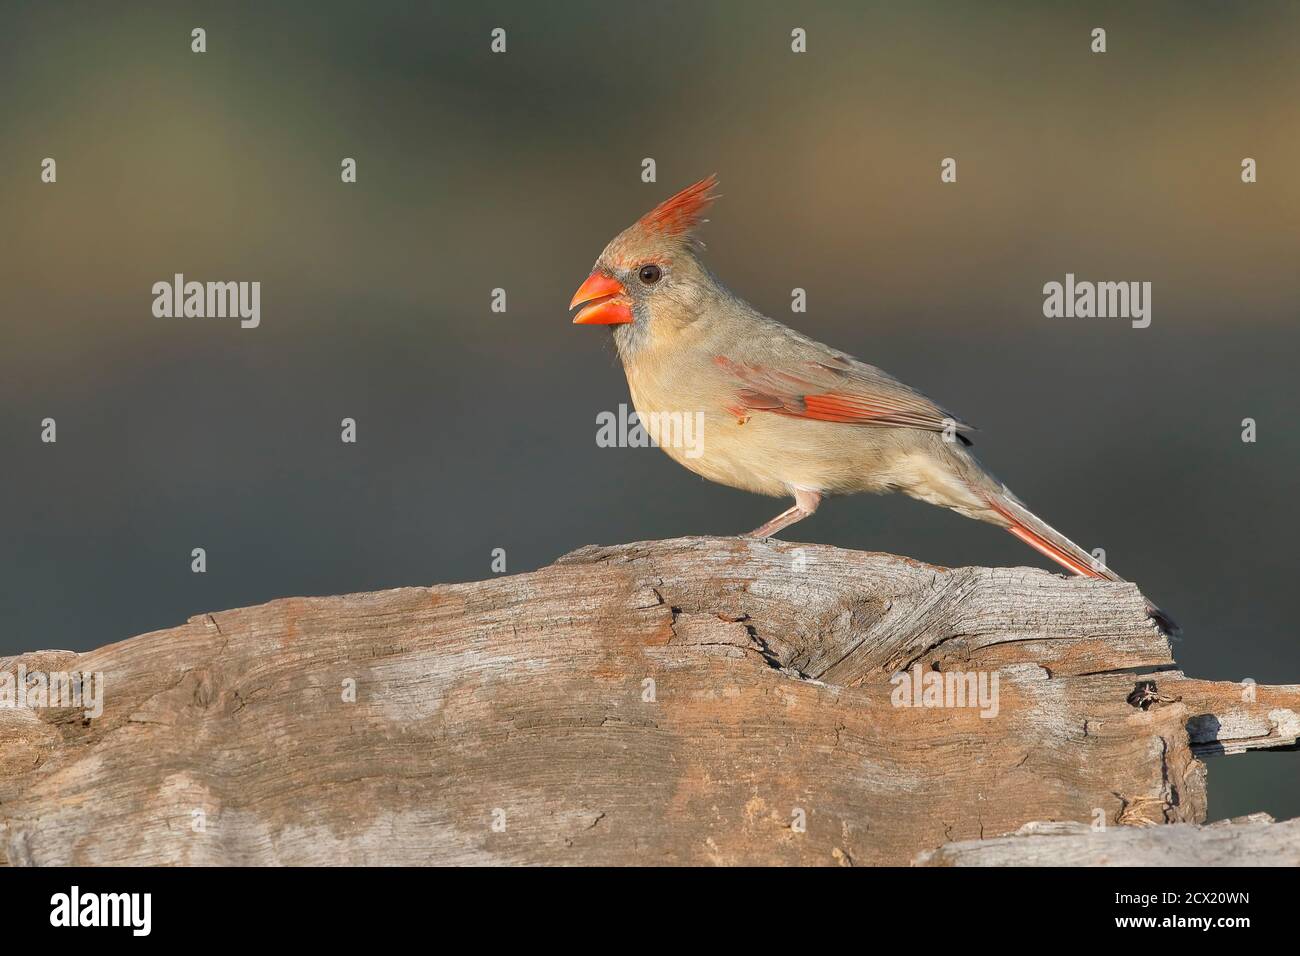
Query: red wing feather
[[856, 395], [829, 407]]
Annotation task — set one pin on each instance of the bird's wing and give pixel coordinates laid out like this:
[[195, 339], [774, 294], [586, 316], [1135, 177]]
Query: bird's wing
[[831, 387]]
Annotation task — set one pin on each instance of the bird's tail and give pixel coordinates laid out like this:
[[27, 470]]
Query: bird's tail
[[1046, 540]]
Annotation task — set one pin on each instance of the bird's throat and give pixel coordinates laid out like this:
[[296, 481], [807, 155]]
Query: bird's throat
[[632, 338]]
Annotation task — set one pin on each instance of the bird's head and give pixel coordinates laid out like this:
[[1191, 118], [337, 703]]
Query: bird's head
[[649, 268]]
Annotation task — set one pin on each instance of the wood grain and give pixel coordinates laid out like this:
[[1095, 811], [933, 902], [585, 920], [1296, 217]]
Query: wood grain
[[689, 701], [1253, 841]]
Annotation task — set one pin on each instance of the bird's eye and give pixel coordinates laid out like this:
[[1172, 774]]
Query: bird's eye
[[650, 274]]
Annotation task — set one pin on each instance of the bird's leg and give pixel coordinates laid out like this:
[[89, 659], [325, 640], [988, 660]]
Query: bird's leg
[[805, 503]]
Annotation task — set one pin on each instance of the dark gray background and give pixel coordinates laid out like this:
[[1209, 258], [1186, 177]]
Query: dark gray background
[[477, 430]]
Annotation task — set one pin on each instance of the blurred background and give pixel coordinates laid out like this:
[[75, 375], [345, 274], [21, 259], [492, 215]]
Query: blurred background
[[476, 430]]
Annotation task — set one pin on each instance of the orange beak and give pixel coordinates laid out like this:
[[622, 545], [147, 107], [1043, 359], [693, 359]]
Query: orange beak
[[606, 301]]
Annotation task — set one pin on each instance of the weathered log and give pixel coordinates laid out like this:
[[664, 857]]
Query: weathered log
[[1251, 841], [688, 701]]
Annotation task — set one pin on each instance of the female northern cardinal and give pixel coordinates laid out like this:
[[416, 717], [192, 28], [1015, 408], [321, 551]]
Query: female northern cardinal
[[782, 414]]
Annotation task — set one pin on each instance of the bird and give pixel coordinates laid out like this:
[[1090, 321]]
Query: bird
[[781, 414]]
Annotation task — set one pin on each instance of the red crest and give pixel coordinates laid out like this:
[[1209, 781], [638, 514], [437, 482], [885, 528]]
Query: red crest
[[679, 214]]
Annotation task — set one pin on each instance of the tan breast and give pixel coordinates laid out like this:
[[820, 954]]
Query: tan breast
[[685, 411]]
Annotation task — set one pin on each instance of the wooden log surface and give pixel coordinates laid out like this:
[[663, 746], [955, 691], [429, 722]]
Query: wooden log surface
[[697, 700], [1254, 841]]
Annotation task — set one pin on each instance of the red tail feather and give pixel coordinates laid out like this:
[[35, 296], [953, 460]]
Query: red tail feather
[[1046, 549], [1046, 540]]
